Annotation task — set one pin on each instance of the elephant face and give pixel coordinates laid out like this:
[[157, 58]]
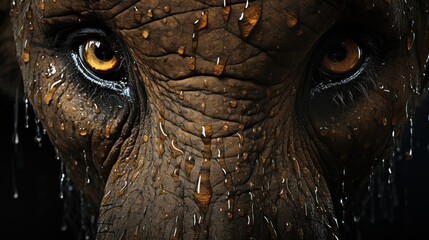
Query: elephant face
[[221, 119]]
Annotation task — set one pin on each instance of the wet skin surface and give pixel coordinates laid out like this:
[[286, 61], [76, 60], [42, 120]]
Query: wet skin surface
[[215, 118]]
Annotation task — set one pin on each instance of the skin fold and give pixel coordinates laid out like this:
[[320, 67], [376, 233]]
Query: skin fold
[[222, 119]]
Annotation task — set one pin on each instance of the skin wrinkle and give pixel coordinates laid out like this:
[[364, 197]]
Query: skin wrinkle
[[239, 107], [173, 14]]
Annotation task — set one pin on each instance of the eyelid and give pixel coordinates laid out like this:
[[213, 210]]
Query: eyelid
[[68, 37]]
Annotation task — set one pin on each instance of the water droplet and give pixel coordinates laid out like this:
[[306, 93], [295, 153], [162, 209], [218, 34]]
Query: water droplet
[[51, 70], [296, 167], [161, 128], [288, 226], [282, 194], [218, 68], [384, 121], [83, 131], [410, 41], [181, 50], [87, 180], [53, 88], [166, 9], [150, 13], [161, 149], [194, 42], [123, 188], [42, 5], [30, 26], [97, 110], [107, 129], [181, 95], [175, 150], [411, 37], [291, 21], [233, 104], [249, 19], [137, 15], [226, 10], [202, 22], [323, 131], [191, 63], [203, 108], [245, 155], [203, 188], [38, 137], [145, 34], [26, 52]]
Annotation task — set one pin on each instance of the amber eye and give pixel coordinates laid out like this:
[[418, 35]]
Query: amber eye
[[99, 57], [343, 58]]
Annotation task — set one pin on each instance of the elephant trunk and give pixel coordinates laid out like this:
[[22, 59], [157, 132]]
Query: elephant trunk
[[207, 162]]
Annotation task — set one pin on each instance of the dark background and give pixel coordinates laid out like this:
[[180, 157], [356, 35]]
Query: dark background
[[399, 210]]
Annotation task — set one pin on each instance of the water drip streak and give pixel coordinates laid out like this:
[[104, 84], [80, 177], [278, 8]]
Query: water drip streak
[[26, 117], [410, 151], [229, 184], [87, 180], [249, 18], [203, 189], [16, 145], [226, 11], [199, 25], [62, 177], [38, 137]]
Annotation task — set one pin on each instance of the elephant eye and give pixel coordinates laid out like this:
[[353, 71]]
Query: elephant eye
[[98, 57], [98, 61], [345, 60], [341, 59]]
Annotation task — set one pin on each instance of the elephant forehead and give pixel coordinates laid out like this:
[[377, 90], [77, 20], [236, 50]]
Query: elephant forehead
[[233, 39], [237, 38]]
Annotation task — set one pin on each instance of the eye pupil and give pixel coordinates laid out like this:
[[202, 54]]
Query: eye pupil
[[338, 53], [103, 52], [99, 57]]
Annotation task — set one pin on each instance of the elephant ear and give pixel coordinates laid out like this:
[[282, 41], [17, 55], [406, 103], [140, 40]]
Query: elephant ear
[[10, 74]]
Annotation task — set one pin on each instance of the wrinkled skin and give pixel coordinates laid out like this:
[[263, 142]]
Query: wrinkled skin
[[220, 128]]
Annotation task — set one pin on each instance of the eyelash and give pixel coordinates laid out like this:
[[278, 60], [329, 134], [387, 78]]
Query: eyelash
[[359, 86]]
